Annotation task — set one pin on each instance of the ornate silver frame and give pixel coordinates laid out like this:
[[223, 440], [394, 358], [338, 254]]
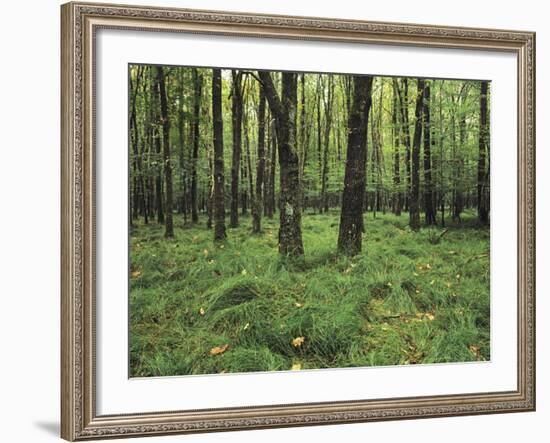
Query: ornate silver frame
[[79, 420]]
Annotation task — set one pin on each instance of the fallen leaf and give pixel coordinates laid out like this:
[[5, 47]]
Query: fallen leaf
[[297, 342], [217, 350], [296, 366], [430, 316], [246, 326], [202, 311], [428, 266], [457, 276], [298, 305], [432, 282], [136, 274], [389, 284], [244, 272], [415, 274], [210, 262], [205, 252]]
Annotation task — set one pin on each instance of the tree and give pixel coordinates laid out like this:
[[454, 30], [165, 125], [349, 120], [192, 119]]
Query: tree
[[428, 185], [260, 167], [482, 168], [283, 109], [353, 196], [218, 198], [414, 204], [396, 128], [169, 225], [237, 122], [328, 100], [197, 87]]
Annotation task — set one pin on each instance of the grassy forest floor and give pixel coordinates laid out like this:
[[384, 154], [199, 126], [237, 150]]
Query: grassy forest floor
[[199, 308]]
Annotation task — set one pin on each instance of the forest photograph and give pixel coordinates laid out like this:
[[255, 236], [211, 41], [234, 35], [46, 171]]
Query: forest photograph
[[287, 221]]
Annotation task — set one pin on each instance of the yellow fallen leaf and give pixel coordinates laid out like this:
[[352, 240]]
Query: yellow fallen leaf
[[136, 274], [298, 305], [428, 266], [243, 272], [297, 342], [205, 252], [448, 284], [210, 262], [389, 284], [217, 350], [415, 274], [296, 366], [457, 276], [432, 282], [202, 311], [430, 316], [222, 246], [246, 326]]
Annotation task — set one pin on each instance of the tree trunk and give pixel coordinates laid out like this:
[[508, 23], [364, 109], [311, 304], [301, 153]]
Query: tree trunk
[[326, 141], [482, 164], [169, 225], [428, 184], [218, 205], [397, 196], [260, 167], [414, 206], [351, 219], [284, 110], [197, 86], [158, 151], [237, 121], [405, 134]]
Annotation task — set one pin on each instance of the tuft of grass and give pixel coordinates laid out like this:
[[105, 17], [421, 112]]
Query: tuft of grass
[[403, 300]]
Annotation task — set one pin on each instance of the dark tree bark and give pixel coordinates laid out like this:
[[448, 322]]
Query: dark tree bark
[[218, 205], [353, 197], [428, 183], [397, 196], [326, 141], [197, 86], [270, 200], [284, 111], [169, 225], [182, 201], [405, 134], [159, 197], [237, 121], [482, 164], [260, 167], [138, 188], [414, 206]]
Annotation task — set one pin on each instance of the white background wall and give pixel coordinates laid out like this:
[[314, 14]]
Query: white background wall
[[29, 218]]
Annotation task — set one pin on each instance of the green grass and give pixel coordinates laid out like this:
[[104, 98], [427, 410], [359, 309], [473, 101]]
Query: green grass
[[402, 301]]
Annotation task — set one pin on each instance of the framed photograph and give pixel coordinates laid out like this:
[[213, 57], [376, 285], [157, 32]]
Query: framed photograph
[[282, 221]]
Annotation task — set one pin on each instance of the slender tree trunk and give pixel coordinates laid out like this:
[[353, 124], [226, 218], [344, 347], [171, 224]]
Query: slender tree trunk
[[260, 167], [197, 84], [428, 183], [351, 219], [159, 197], [405, 134], [218, 200], [272, 170], [397, 196], [482, 164], [169, 225], [414, 206], [236, 120], [326, 141], [284, 110]]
